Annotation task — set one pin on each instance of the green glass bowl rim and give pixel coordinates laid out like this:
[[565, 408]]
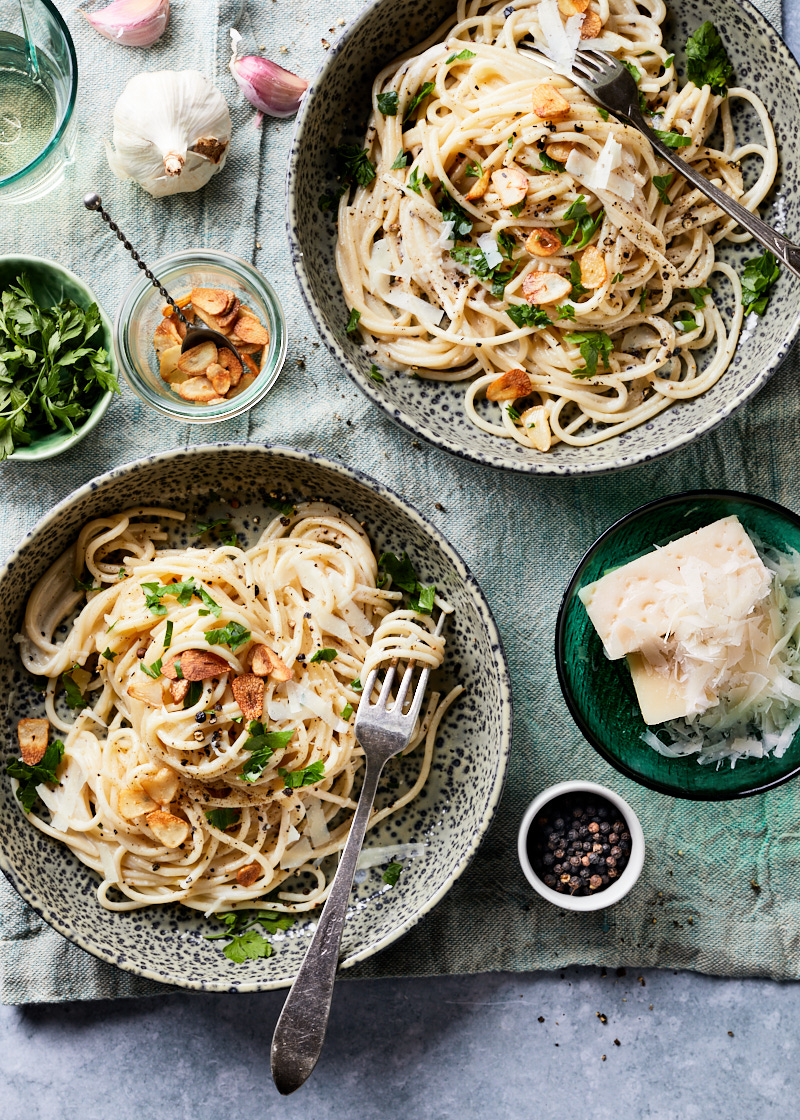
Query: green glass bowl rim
[[566, 690], [34, 452], [182, 410], [73, 97]]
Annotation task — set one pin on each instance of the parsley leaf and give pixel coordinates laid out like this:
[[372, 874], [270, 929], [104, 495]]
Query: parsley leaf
[[413, 182], [673, 139], [603, 113], [475, 258], [707, 62], [152, 597], [324, 655], [347, 711], [352, 322], [168, 635], [528, 315], [203, 527], [330, 199], [401, 160], [222, 818], [661, 182], [285, 509], [759, 275], [308, 776], [153, 670], [615, 279], [392, 873], [29, 777], [356, 685], [592, 345], [107, 654], [585, 224], [246, 942], [404, 577], [376, 374], [355, 164], [512, 412], [232, 635], [424, 92], [74, 695], [578, 289], [474, 170], [566, 311], [686, 320], [193, 695], [634, 71], [452, 212], [549, 164], [699, 296], [248, 945], [422, 602], [517, 208], [642, 299], [387, 103], [464, 56], [506, 243], [88, 585], [668, 61], [262, 745]]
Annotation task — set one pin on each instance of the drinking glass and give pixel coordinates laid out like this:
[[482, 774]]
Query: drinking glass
[[38, 87]]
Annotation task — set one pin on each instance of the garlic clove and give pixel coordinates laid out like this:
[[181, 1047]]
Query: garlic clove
[[267, 86], [135, 23]]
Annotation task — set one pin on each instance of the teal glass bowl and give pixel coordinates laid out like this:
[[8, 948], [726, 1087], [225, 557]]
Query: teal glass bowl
[[51, 283], [599, 692]]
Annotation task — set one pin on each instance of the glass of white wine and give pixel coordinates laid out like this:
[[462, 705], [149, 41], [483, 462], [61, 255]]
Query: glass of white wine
[[38, 88]]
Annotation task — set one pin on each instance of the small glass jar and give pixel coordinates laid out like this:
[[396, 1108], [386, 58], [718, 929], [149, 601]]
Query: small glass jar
[[141, 311]]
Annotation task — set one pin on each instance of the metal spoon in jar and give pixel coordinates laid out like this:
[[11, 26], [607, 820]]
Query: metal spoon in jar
[[194, 335]]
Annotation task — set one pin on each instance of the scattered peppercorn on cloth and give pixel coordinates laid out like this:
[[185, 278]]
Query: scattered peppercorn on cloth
[[694, 906]]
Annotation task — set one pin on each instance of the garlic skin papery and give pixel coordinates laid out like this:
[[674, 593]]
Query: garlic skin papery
[[172, 130], [267, 86], [135, 23]]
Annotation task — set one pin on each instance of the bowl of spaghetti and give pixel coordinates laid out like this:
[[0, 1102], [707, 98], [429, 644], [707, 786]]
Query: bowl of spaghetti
[[182, 765], [505, 268]]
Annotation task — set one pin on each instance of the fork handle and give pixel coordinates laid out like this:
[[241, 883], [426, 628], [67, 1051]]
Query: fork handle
[[300, 1032], [784, 249]]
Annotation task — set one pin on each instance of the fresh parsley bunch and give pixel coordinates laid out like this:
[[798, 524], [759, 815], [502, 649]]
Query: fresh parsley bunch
[[53, 369]]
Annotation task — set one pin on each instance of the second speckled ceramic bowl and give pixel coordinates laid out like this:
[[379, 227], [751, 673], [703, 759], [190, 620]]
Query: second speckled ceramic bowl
[[337, 106], [446, 821]]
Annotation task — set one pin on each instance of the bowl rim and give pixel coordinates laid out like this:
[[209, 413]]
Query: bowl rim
[[612, 894], [55, 139], [100, 407], [541, 467], [757, 787], [62, 926], [176, 410]]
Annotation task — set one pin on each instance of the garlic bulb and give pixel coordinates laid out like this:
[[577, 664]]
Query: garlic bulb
[[267, 86], [136, 23], [172, 129]]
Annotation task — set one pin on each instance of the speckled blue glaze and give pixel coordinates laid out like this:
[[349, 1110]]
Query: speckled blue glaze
[[450, 815], [337, 105]]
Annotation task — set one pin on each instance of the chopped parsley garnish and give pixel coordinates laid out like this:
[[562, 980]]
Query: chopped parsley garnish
[[246, 942], [475, 258], [29, 777], [668, 61], [122, 574], [308, 776], [603, 113], [404, 577], [203, 527], [107, 654], [324, 655], [355, 164], [512, 412], [356, 685], [416, 184], [392, 873], [517, 208], [511, 140], [634, 71], [74, 696], [222, 818], [262, 745], [686, 320], [452, 212], [168, 635], [578, 289], [80, 585], [193, 695], [585, 224], [352, 322], [592, 345], [474, 170], [759, 275], [182, 591], [506, 244], [285, 509], [549, 164], [707, 62], [347, 711], [330, 199], [401, 160], [673, 139], [231, 541], [528, 315], [616, 278], [642, 299], [566, 311], [387, 103], [153, 670], [661, 182], [699, 296], [376, 374], [424, 92], [152, 597], [232, 635], [464, 56]]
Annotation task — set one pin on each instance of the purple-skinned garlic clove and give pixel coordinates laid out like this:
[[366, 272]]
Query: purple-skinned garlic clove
[[267, 86], [134, 23]]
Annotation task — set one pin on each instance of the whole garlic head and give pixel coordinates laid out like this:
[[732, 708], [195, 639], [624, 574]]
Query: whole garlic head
[[172, 130]]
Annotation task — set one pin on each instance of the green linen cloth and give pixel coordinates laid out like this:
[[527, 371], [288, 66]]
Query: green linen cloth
[[694, 906]]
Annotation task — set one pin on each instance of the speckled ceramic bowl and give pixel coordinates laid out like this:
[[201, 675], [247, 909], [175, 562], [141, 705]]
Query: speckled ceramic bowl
[[447, 819], [337, 105]]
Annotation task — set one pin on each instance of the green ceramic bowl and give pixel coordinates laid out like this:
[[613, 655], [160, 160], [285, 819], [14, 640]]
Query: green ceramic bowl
[[600, 694], [51, 283]]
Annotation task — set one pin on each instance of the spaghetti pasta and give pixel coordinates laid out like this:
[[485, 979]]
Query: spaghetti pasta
[[513, 227]]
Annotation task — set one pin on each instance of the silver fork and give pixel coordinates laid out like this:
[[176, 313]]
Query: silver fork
[[606, 81], [382, 732]]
